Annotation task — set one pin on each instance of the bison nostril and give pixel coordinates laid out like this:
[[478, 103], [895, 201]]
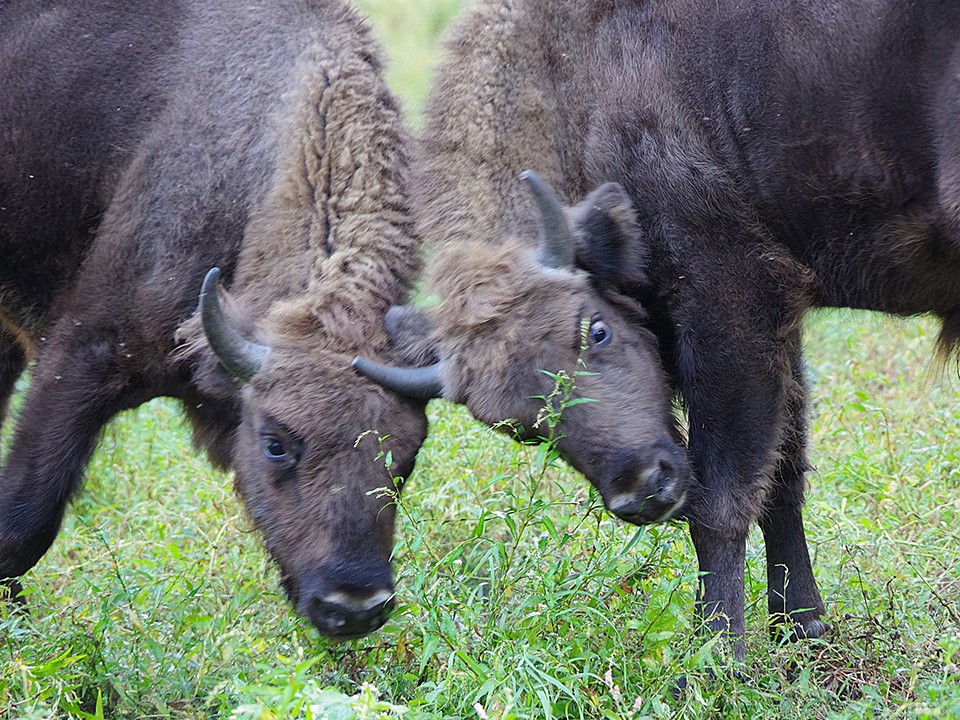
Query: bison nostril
[[664, 483], [653, 495], [661, 479]]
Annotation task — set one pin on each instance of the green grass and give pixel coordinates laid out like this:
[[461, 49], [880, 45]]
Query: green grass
[[518, 596], [516, 591]]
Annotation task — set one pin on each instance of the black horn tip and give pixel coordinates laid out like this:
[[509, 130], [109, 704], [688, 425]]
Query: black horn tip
[[423, 383], [556, 239], [539, 186], [242, 358], [210, 282]]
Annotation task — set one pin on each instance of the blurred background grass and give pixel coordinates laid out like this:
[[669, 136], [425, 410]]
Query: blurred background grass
[[409, 31], [518, 596]]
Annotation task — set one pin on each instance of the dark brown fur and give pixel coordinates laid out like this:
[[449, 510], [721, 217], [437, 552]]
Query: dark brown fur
[[142, 144], [779, 155]]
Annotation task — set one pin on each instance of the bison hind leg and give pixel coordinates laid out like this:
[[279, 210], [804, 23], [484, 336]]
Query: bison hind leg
[[10, 592]]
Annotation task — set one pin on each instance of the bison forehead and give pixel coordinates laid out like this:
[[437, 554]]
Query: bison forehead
[[315, 379], [493, 287], [328, 323]]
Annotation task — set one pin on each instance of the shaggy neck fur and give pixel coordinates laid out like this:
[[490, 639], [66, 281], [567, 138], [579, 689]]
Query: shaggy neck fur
[[333, 247]]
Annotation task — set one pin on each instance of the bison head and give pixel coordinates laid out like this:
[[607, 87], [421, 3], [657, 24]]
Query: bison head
[[513, 314], [316, 455]]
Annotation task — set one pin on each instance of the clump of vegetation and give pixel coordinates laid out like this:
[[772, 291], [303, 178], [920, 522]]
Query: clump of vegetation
[[297, 695]]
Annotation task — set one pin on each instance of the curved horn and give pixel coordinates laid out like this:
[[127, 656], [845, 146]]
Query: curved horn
[[242, 358], [556, 240], [423, 383]]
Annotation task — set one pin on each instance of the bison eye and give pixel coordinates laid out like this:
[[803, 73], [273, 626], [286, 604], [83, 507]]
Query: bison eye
[[274, 448], [600, 334], [280, 446]]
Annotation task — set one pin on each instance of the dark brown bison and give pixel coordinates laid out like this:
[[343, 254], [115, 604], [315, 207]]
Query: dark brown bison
[[141, 144], [779, 156]]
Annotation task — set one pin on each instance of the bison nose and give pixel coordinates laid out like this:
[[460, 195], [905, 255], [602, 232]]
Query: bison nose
[[348, 597], [654, 494], [346, 616]]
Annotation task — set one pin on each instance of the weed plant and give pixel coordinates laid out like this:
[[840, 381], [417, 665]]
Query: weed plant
[[518, 596]]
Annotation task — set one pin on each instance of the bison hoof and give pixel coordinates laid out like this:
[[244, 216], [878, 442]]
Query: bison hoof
[[798, 627], [709, 675], [10, 591]]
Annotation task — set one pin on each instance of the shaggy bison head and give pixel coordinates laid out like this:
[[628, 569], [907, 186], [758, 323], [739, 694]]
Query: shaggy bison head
[[316, 454], [514, 316]]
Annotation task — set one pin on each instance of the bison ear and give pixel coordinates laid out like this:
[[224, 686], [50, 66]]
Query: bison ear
[[610, 244], [411, 336]]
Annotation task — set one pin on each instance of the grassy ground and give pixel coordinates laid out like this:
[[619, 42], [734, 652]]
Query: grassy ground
[[518, 597]]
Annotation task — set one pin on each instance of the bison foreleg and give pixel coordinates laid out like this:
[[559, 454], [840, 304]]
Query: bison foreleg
[[76, 388], [720, 594], [792, 596], [736, 364]]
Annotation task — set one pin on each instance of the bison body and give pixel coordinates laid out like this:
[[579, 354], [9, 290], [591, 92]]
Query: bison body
[[779, 156], [142, 144]]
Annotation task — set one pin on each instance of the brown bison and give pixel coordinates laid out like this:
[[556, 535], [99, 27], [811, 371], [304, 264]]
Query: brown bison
[[513, 311], [780, 156], [141, 144]]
